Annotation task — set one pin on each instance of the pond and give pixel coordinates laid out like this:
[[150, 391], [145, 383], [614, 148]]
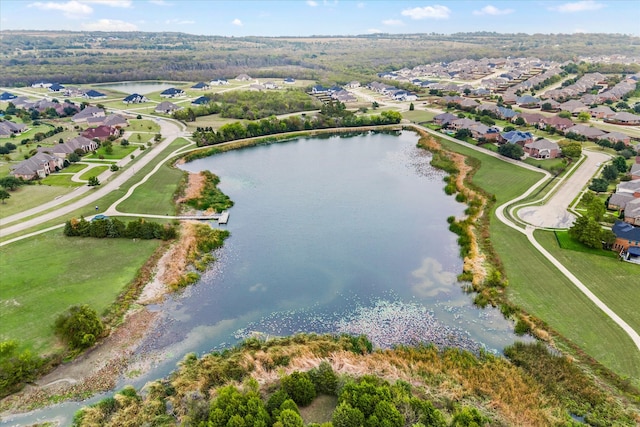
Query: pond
[[333, 234], [141, 87]]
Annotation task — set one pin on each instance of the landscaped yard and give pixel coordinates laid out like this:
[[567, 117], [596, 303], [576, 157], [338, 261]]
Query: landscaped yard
[[69, 271], [30, 196], [142, 125], [119, 152], [61, 180], [94, 171]]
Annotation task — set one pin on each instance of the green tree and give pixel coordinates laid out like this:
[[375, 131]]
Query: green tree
[[4, 195], [596, 209], [564, 114], [16, 367], [584, 116], [346, 415], [289, 418], [324, 378], [79, 327], [610, 173], [572, 150], [468, 417], [620, 163], [114, 168], [299, 387], [411, 107], [599, 185], [73, 158], [93, 181], [513, 151], [11, 183], [519, 121]]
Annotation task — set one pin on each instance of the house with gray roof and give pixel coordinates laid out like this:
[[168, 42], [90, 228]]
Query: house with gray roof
[[8, 128], [629, 187], [37, 166], [588, 132], [618, 201], [166, 107], [515, 137], [627, 239], [88, 112], [624, 118], [444, 118], [635, 171], [542, 149], [135, 98], [632, 212]]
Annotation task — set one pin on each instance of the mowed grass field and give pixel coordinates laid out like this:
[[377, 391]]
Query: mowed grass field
[[541, 290], [156, 195], [44, 275], [30, 196]]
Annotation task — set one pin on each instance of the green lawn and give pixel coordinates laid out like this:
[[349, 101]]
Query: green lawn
[[69, 271], [565, 241], [540, 289], [143, 125], [76, 167], [30, 196], [156, 195], [141, 137], [94, 171], [119, 152], [548, 164], [59, 180], [418, 116]]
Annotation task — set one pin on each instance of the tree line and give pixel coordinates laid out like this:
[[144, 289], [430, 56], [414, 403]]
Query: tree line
[[273, 125], [114, 228]]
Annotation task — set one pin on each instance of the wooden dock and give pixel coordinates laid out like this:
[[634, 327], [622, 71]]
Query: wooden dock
[[222, 217]]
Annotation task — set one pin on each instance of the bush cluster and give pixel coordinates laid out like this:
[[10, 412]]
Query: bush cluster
[[114, 228]]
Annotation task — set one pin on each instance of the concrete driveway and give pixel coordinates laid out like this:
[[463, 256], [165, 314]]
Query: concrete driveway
[[554, 214]]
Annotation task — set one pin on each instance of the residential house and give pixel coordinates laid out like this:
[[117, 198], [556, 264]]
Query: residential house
[[629, 187], [88, 112], [113, 120], [270, 85], [461, 123], [627, 238], [574, 107], [172, 92], [527, 101], [588, 132], [444, 118], [556, 122], [8, 128], [37, 166], [635, 169], [509, 98], [480, 130], [468, 104], [101, 132], [200, 86], [203, 100], [632, 212], [601, 112], [41, 85], [624, 118], [6, 96], [73, 92], [56, 87], [135, 98], [63, 150], [616, 137], [317, 89], [353, 85], [218, 82], [257, 87], [492, 108], [506, 113], [94, 94], [515, 137], [618, 201], [289, 81], [166, 107], [243, 78], [343, 96], [530, 119], [542, 149]]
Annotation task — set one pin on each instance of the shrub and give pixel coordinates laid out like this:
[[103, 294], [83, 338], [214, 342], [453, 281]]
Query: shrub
[[79, 327], [299, 387]]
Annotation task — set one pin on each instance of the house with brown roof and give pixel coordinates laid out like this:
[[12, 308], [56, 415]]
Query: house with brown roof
[[556, 122], [113, 120], [601, 112], [530, 118], [462, 123], [573, 106], [8, 128], [37, 166], [617, 137], [101, 132], [588, 132], [542, 149], [63, 150], [166, 107], [632, 212], [624, 118], [635, 169], [444, 118]]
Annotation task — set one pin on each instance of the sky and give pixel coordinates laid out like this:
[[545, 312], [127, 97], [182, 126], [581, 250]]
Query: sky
[[323, 17]]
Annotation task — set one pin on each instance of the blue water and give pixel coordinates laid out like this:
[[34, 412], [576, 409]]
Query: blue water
[[325, 232], [142, 87]]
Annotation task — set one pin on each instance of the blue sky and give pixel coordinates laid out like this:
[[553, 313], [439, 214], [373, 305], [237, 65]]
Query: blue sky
[[323, 17]]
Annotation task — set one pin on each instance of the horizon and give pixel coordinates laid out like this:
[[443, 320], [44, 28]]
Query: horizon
[[327, 18]]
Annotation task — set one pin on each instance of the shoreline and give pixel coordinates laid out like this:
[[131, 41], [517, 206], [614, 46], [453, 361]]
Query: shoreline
[[98, 369]]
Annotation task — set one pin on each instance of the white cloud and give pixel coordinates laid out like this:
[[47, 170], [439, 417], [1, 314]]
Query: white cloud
[[492, 10], [109, 25], [111, 3], [392, 22], [373, 31], [579, 6], [312, 3], [237, 22], [360, 5], [160, 3], [432, 12], [70, 8]]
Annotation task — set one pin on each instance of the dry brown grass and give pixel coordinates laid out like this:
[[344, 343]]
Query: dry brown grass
[[180, 254], [195, 186]]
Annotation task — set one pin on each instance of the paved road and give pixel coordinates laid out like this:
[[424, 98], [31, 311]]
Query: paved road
[[170, 131], [554, 213]]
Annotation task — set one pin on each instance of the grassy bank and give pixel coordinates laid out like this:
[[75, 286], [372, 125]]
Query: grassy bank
[[540, 289], [40, 282]]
